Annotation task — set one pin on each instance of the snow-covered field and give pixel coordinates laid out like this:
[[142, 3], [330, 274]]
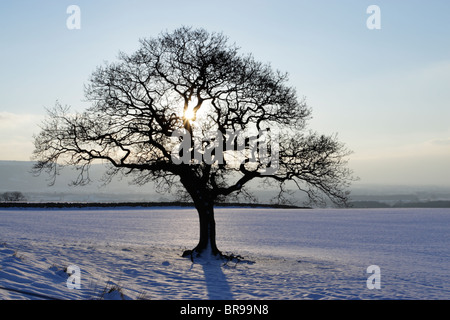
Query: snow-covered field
[[289, 254]]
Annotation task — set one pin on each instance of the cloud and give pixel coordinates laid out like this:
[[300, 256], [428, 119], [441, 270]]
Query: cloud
[[16, 135], [9, 120], [441, 142], [418, 162]]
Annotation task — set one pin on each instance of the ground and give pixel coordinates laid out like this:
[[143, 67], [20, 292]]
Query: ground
[[34, 260]]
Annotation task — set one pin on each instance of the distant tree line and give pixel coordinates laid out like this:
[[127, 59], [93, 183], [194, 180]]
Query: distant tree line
[[137, 204], [12, 196]]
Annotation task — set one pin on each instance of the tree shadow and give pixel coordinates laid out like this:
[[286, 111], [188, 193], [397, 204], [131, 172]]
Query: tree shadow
[[216, 282]]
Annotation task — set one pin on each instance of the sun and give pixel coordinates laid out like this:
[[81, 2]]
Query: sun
[[189, 115]]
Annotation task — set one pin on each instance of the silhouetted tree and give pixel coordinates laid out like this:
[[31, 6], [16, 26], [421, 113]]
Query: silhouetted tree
[[12, 196], [185, 84]]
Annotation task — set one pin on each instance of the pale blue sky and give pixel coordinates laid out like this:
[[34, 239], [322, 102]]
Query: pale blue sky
[[385, 92]]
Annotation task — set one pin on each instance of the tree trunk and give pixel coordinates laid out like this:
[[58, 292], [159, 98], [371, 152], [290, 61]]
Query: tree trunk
[[207, 242]]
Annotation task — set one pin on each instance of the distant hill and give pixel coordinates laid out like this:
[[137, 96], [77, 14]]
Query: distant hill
[[401, 204], [17, 176]]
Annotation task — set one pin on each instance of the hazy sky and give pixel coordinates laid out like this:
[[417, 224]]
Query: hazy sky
[[386, 92]]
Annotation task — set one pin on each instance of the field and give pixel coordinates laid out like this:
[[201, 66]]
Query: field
[[289, 254]]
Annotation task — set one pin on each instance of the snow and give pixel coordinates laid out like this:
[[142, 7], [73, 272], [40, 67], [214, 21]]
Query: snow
[[289, 254]]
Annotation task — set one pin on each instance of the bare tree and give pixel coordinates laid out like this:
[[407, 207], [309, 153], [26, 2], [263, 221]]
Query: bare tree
[[12, 196], [193, 82]]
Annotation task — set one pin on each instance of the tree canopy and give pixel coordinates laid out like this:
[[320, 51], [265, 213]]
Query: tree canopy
[[140, 101]]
